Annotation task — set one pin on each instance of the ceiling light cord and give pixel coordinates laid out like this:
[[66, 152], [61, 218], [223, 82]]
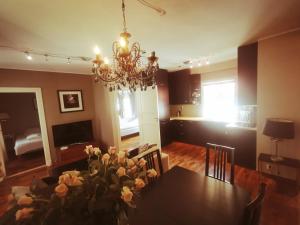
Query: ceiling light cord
[[156, 8], [124, 17]]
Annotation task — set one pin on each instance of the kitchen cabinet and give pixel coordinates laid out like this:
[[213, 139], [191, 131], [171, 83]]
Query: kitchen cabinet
[[198, 132], [163, 106], [165, 135], [247, 74], [182, 86], [244, 141], [202, 132], [163, 94]]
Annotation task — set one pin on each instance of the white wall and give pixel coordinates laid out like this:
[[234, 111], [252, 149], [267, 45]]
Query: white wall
[[104, 116], [278, 91]]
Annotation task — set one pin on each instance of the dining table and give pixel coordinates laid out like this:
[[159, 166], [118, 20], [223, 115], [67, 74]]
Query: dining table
[[184, 197]]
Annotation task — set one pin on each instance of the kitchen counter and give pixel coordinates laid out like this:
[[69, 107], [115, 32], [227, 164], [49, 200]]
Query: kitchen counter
[[229, 125]]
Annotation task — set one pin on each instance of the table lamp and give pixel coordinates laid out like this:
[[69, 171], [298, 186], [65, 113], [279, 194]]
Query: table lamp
[[278, 130]]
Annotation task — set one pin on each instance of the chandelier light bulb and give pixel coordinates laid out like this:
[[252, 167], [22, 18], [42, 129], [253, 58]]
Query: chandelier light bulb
[[97, 50], [106, 60], [28, 56], [122, 42], [207, 62], [69, 60]]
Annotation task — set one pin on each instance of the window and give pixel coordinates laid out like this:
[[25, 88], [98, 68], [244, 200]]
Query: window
[[219, 101]]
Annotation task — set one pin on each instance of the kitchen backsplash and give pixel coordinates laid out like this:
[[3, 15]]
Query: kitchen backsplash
[[186, 110]]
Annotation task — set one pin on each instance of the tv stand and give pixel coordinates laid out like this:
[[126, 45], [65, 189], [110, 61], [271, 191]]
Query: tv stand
[[73, 153]]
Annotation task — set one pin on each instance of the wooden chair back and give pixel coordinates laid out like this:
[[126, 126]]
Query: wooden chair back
[[253, 209], [222, 156], [153, 159]]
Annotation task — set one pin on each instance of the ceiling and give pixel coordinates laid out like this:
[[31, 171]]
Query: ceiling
[[190, 29]]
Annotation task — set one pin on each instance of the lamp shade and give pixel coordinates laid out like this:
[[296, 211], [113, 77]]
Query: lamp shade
[[279, 128]]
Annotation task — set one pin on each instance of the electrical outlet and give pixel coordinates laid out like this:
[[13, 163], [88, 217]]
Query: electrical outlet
[[268, 167]]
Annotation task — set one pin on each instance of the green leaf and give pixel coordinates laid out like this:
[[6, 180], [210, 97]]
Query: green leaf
[[52, 216]]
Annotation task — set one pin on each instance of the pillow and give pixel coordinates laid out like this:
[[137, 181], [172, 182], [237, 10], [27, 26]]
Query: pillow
[[33, 136], [34, 130]]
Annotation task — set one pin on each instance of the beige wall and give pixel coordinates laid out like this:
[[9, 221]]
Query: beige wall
[[278, 92], [22, 111], [49, 84]]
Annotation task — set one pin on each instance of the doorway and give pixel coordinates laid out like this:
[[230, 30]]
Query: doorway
[[128, 119], [24, 141]]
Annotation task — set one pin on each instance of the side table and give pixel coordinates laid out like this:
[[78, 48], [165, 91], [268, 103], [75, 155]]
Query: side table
[[287, 168]]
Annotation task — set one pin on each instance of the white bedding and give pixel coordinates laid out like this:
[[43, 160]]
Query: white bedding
[[129, 127], [24, 145]]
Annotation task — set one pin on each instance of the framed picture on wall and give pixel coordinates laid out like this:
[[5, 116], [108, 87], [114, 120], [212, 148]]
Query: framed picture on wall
[[70, 100]]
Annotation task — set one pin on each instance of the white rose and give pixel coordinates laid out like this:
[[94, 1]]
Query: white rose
[[130, 163], [139, 183], [105, 158], [74, 173], [97, 151], [24, 213], [112, 150], [126, 194], [151, 173], [25, 200], [89, 149], [142, 162], [121, 171], [121, 157], [61, 190]]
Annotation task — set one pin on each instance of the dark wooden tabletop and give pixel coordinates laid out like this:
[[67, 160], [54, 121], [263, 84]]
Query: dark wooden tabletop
[[184, 197]]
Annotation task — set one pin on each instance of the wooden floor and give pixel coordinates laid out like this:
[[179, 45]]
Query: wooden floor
[[282, 202], [281, 206], [25, 162], [130, 143]]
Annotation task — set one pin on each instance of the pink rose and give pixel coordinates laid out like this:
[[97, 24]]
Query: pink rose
[[25, 200], [61, 190], [24, 213]]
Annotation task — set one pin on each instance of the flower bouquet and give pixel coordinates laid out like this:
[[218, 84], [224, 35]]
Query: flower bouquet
[[100, 195]]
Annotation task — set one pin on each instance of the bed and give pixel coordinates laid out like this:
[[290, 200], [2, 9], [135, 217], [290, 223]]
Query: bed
[[128, 127], [30, 141]]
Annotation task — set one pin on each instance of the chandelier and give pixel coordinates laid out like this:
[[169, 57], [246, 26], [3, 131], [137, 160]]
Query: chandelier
[[127, 69]]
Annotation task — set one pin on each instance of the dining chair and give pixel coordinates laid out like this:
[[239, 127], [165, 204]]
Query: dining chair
[[253, 209], [221, 157], [153, 161]]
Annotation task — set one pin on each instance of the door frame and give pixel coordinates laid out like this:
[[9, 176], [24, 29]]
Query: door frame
[[42, 119]]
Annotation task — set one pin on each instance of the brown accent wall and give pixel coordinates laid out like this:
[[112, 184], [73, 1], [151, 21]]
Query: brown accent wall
[[49, 83], [22, 112]]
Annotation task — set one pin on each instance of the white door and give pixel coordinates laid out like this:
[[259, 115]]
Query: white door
[[148, 116], [2, 155]]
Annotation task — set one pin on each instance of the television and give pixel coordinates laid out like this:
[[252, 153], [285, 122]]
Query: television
[[72, 133]]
